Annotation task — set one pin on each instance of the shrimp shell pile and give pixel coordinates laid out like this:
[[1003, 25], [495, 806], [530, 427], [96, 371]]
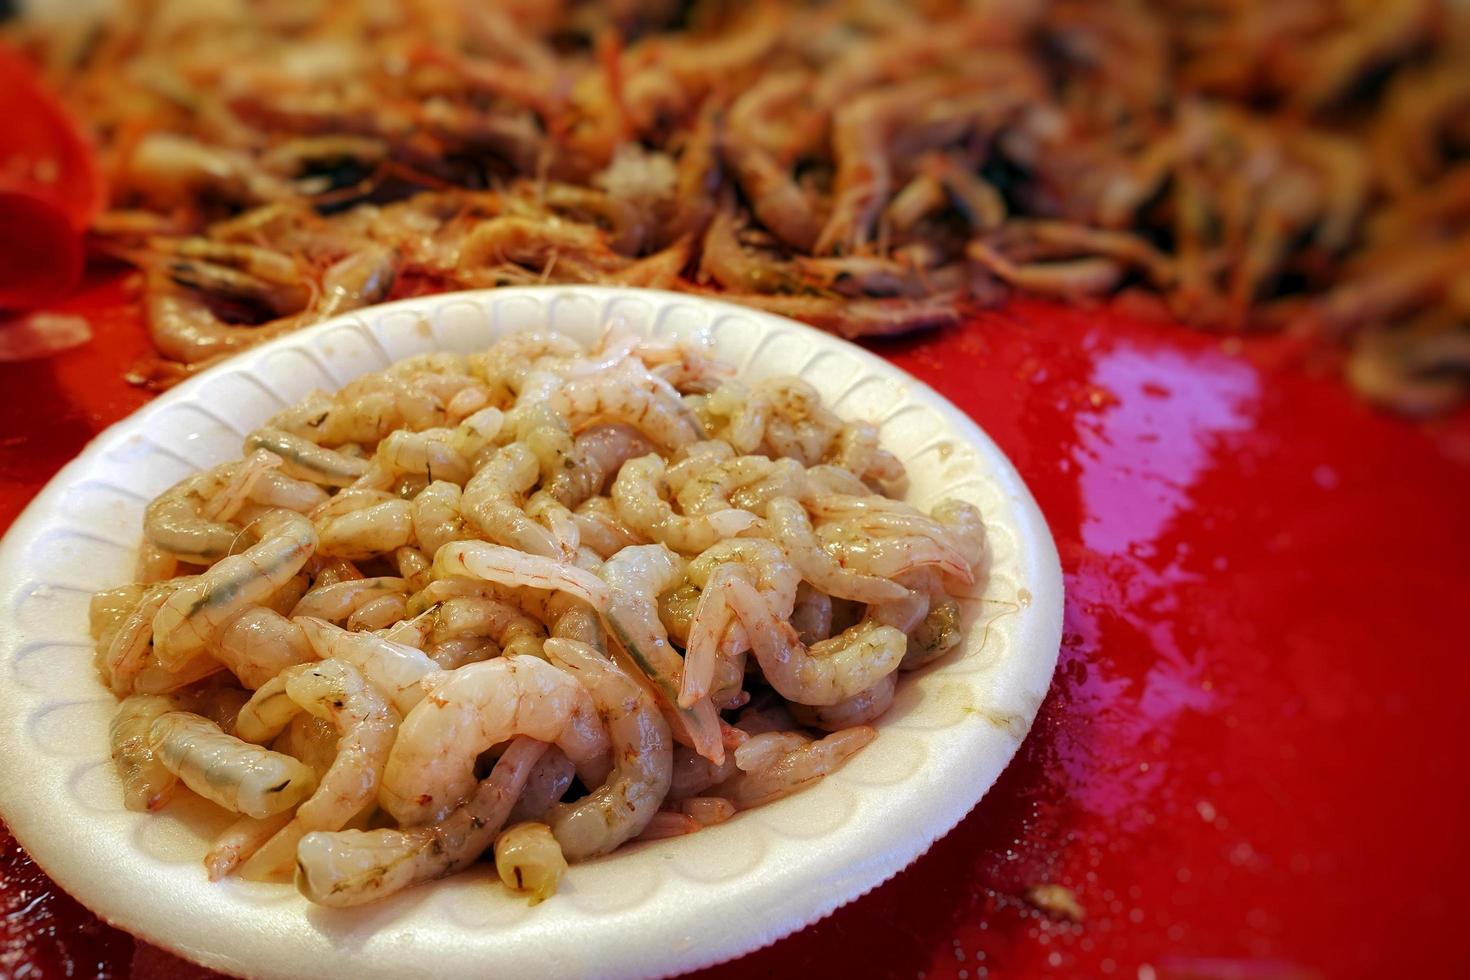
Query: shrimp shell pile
[[868, 166], [536, 601]]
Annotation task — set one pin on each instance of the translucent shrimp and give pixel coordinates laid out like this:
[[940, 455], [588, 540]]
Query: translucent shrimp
[[194, 614], [545, 787], [795, 770], [239, 485], [156, 679], [379, 613], [637, 576], [793, 531], [694, 459], [176, 521], [413, 568], [693, 773], [512, 630], [393, 668], [494, 563], [824, 479], [596, 456], [154, 564], [369, 531], [431, 768], [642, 752], [798, 425], [437, 518], [664, 421], [966, 527], [811, 615], [763, 748], [339, 600], [638, 495], [707, 810], [758, 562], [131, 644], [270, 709], [110, 608], [887, 544], [277, 490], [939, 632], [335, 692], [352, 867], [306, 460], [826, 673], [431, 453], [147, 782], [240, 840], [862, 708], [600, 528], [712, 488], [223, 769], [856, 450], [494, 497], [529, 860], [311, 739]]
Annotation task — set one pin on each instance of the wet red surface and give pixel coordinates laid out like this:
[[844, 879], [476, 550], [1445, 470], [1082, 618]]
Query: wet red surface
[[1247, 765]]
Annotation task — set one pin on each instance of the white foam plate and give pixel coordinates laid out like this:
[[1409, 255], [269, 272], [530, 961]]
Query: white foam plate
[[651, 909]]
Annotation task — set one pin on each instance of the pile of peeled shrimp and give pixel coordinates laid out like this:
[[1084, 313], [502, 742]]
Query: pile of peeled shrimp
[[868, 166], [537, 601]]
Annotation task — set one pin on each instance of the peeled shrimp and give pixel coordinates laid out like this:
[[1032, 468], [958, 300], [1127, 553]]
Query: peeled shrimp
[[793, 531], [545, 787], [336, 692], [368, 531], [638, 496], [885, 545], [493, 502], [642, 753], [437, 518], [596, 456], [131, 643], [938, 633], [194, 614], [147, 782], [862, 708], [379, 613], [393, 668], [811, 614], [223, 769], [240, 840], [176, 521], [351, 867], [339, 600], [693, 773], [306, 460], [712, 488], [430, 453], [494, 563], [431, 768], [794, 771], [611, 398], [512, 630], [826, 673], [760, 563], [529, 859], [599, 528], [637, 576]]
